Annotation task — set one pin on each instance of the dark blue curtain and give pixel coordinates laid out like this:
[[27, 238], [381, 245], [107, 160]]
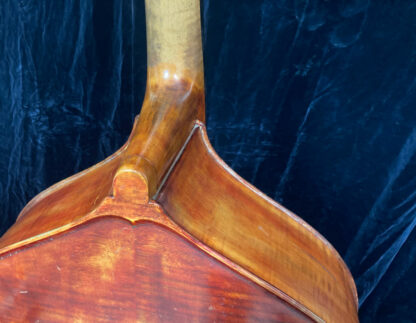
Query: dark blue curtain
[[311, 101]]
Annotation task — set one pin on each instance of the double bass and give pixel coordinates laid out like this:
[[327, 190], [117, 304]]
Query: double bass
[[163, 230]]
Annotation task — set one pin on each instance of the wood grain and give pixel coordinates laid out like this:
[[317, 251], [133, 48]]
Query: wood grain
[[195, 243], [64, 203], [174, 42], [109, 270], [169, 111], [214, 204]]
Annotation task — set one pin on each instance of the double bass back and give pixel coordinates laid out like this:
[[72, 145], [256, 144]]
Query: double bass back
[[164, 230]]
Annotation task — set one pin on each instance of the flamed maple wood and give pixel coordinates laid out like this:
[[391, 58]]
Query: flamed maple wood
[[163, 230], [143, 272], [205, 197]]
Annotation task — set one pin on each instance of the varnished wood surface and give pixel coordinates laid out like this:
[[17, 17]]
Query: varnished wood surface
[[129, 201], [215, 205], [279, 266], [64, 203], [222, 211], [143, 273], [174, 96], [169, 111]]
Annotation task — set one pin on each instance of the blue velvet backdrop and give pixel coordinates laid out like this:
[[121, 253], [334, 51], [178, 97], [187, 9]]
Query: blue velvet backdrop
[[311, 101]]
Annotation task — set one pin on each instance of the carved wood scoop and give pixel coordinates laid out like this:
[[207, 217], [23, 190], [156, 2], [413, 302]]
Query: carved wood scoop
[[163, 229]]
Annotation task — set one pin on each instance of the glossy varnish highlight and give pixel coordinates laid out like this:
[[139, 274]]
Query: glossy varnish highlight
[[110, 270], [204, 196]]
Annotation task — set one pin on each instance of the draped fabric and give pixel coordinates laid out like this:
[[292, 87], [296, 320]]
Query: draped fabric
[[311, 101]]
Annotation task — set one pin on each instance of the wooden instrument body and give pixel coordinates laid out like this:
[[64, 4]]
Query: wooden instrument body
[[163, 230], [143, 268]]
